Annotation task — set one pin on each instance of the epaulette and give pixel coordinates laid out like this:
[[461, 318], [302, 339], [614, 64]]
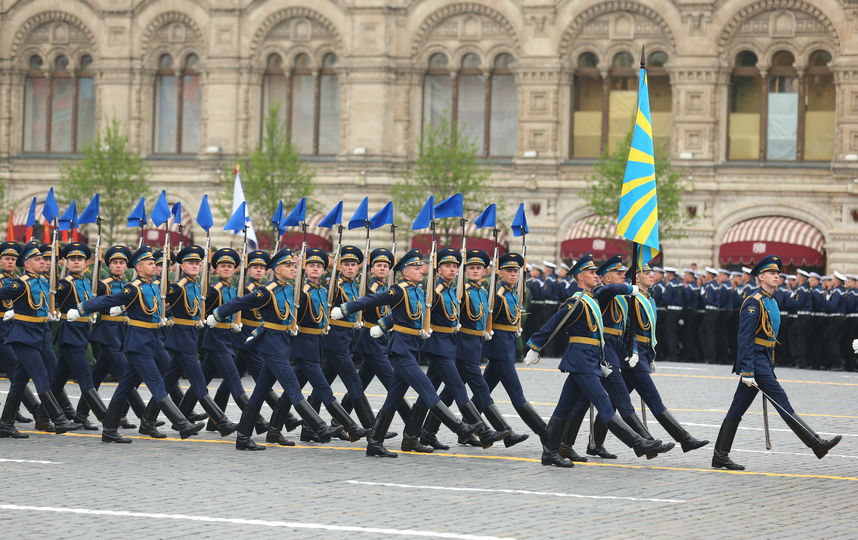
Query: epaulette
[[271, 286], [218, 286], [439, 288], [306, 288], [107, 281], [182, 282], [136, 282], [373, 287], [757, 296], [25, 277]]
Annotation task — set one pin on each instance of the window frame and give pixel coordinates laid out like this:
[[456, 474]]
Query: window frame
[[179, 74]]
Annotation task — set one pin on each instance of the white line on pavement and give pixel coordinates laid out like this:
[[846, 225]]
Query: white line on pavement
[[39, 461], [791, 453], [513, 491], [255, 522]]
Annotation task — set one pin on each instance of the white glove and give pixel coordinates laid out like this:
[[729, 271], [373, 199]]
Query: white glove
[[358, 324], [518, 333], [116, 310], [211, 322], [9, 314], [635, 290], [532, 357], [681, 322], [94, 317], [376, 332], [54, 316], [293, 331], [633, 360], [236, 327], [488, 336], [337, 313], [424, 334], [458, 327], [605, 369], [73, 315], [749, 381], [854, 344]]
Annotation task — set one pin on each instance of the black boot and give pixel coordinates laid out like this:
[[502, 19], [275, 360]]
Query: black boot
[[551, 442], [641, 446], [137, 405], [810, 438], [634, 421], [413, 429], [455, 425], [339, 414], [375, 446], [284, 417], [52, 409], [148, 422], [314, 421], [186, 428], [220, 399], [275, 426], [429, 433], [531, 418], [244, 440], [7, 419], [43, 421], [242, 401], [30, 402], [64, 402], [723, 444], [567, 440], [110, 423], [363, 411], [679, 434], [93, 399], [178, 396], [81, 415], [223, 424], [487, 435], [496, 419]]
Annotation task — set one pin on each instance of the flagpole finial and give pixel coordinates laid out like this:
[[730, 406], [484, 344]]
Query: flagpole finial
[[643, 58]]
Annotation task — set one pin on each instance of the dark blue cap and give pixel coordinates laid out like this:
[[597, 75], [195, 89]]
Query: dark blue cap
[[75, 249], [143, 253], [613, 263], [584, 262], [411, 258], [510, 261], [381, 255], [316, 255], [448, 255], [285, 255], [258, 257], [769, 263], [117, 252], [351, 253], [477, 256], [190, 253], [10, 248], [30, 249], [225, 255]]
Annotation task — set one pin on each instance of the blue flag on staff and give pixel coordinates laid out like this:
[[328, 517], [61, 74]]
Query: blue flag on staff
[[361, 216], [50, 210], [161, 210], [426, 215], [297, 215], [31, 215], [91, 212], [176, 211], [69, 218], [382, 217], [519, 222], [237, 221], [450, 207], [488, 218], [277, 218], [334, 217], [137, 217], [204, 215], [637, 219]]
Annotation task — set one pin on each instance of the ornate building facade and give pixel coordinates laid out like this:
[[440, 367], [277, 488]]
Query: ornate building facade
[[755, 100]]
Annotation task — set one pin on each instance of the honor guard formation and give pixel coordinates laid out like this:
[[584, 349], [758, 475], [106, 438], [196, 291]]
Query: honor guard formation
[[302, 315]]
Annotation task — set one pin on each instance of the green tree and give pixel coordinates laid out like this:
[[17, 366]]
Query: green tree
[[112, 168], [446, 164], [602, 194], [269, 173]]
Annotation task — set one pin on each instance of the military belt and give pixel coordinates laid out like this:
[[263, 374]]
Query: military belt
[[142, 324], [585, 340], [28, 318], [189, 322], [275, 326], [472, 332], [113, 318], [344, 324], [853, 315], [370, 324], [714, 308], [251, 322], [507, 327], [221, 325], [613, 331], [405, 330], [313, 331], [86, 319], [443, 329], [642, 339], [764, 342]]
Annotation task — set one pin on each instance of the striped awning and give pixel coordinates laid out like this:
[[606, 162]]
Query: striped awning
[[592, 234], [797, 242], [592, 227]]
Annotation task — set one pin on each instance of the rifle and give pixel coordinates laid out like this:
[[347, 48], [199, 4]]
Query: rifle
[[430, 282], [241, 277], [165, 276], [52, 274], [363, 275], [179, 248], [332, 284], [96, 263], [520, 285], [300, 276], [393, 251], [460, 277], [493, 283]]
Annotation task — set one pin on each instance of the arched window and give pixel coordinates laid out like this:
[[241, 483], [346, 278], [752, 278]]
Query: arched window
[[178, 107], [308, 101], [588, 102], [782, 109], [819, 113], [484, 111], [59, 105], [745, 108], [660, 100], [623, 99]]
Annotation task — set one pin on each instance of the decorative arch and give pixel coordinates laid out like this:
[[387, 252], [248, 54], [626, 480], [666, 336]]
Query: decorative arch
[[625, 6], [25, 33], [750, 210], [735, 23], [157, 25], [439, 16], [273, 20]]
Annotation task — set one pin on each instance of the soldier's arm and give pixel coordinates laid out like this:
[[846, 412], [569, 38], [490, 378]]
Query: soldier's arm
[[540, 338], [388, 298], [100, 303], [749, 317], [607, 293], [253, 300], [14, 290]]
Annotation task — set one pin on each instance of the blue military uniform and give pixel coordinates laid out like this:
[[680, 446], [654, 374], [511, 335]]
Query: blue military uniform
[[712, 307], [759, 321], [835, 322]]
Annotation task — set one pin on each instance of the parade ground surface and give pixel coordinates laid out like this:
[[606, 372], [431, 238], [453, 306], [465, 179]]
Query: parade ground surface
[[74, 486]]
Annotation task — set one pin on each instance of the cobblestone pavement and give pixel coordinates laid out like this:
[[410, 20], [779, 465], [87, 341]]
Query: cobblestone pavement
[[73, 486]]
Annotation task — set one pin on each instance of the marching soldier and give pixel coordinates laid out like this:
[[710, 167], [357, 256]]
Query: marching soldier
[[581, 317], [759, 321], [405, 324], [801, 328], [836, 313], [536, 304], [818, 320], [672, 302], [711, 305], [782, 297], [144, 310], [692, 317]]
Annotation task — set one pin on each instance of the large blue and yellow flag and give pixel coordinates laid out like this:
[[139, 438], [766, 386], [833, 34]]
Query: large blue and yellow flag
[[638, 217]]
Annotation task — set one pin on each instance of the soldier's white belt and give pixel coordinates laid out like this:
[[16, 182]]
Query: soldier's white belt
[[852, 315], [803, 313], [712, 308], [674, 308], [545, 302]]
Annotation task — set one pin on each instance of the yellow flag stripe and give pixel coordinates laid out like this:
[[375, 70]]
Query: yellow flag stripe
[[623, 225], [644, 124], [639, 156], [632, 184], [645, 230]]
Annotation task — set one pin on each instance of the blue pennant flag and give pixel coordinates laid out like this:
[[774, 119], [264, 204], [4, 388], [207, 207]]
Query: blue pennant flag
[[50, 210], [488, 218], [361, 217], [297, 215], [204, 215], [237, 222], [69, 218], [637, 219], [450, 207], [161, 211], [91, 212], [382, 217], [137, 217], [334, 217], [31, 215], [277, 218], [176, 210], [519, 222], [426, 215]]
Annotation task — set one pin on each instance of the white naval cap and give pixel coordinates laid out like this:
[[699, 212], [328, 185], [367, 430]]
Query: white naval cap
[[537, 267], [839, 276], [657, 269], [670, 269], [564, 266], [852, 276], [711, 270], [791, 276], [746, 270], [826, 278], [723, 271], [699, 273], [688, 271], [814, 274], [549, 264], [735, 274], [802, 272]]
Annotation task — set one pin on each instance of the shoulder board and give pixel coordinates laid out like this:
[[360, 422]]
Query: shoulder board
[[757, 296], [24, 278], [403, 284], [439, 288], [182, 282], [306, 289], [469, 286], [271, 286], [107, 280], [69, 278], [136, 282], [218, 286], [373, 287]]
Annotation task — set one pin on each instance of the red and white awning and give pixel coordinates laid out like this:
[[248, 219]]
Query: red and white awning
[[593, 234], [592, 227], [797, 242]]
